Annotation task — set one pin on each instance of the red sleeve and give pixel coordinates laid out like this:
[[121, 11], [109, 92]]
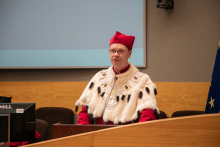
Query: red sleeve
[[146, 115], [83, 117]]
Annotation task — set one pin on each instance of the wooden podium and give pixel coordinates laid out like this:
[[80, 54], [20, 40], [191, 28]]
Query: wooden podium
[[62, 130], [189, 131]]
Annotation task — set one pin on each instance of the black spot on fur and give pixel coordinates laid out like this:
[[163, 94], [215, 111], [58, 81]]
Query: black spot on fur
[[87, 108], [139, 114], [117, 98], [76, 108], [147, 89], [99, 90], [95, 120], [155, 91], [129, 97], [133, 121], [91, 85], [105, 123], [102, 94], [90, 116], [123, 97], [140, 95]]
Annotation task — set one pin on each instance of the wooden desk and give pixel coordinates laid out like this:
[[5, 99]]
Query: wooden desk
[[191, 131], [62, 130]]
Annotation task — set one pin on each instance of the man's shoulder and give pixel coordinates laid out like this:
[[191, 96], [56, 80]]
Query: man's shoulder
[[103, 72], [143, 77], [141, 74]]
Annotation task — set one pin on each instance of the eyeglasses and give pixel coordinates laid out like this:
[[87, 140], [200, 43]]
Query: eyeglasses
[[120, 52]]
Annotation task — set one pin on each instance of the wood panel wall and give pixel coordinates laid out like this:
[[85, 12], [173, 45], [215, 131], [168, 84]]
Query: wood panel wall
[[172, 96]]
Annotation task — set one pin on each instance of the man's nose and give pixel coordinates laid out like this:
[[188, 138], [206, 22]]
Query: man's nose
[[116, 53]]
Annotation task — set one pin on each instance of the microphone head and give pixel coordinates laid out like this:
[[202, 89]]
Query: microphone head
[[116, 78]]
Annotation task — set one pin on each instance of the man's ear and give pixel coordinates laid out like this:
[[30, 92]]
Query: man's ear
[[129, 53]]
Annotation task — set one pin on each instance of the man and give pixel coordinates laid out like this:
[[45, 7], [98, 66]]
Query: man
[[132, 98]]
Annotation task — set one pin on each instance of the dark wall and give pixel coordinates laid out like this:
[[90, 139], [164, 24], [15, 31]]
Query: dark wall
[[181, 46]]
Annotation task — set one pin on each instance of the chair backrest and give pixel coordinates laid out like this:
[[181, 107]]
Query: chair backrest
[[42, 128], [53, 115], [4, 99], [186, 113], [162, 115]]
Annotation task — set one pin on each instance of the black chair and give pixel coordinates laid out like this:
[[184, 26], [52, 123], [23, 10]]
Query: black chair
[[187, 113], [42, 128], [53, 115], [4, 99], [162, 115]]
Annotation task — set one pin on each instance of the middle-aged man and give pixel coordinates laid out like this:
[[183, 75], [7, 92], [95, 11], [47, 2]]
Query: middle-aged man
[[132, 98]]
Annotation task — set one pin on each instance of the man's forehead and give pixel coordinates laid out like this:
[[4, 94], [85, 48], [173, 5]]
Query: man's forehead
[[118, 46]]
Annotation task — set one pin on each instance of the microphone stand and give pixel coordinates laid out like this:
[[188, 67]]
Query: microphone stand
[[115, 79]]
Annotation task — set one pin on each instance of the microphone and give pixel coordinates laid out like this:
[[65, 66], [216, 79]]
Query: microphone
[[115, 79]]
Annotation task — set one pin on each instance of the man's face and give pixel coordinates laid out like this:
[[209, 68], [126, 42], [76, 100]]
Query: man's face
[[119, 55]]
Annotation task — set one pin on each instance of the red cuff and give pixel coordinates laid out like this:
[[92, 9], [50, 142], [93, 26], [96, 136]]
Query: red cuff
[[147, 115], [83, 117]]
